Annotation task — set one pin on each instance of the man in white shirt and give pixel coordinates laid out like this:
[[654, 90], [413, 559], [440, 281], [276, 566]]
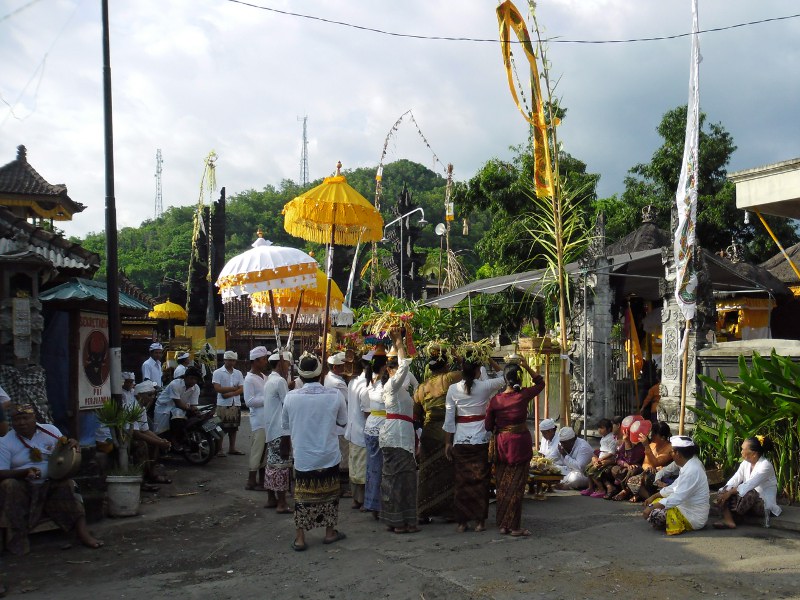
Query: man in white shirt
[[183, 362], [311, 415], [683, 505], [151, 368], [574, 455], [229, 384], [548, 445], [354, 433], [335, 379], [174, 402], [25, 488], [146, 445], [278, 472], [254, 383]]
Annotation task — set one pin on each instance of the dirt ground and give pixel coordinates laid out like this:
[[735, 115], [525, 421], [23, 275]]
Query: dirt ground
[[204, 536]]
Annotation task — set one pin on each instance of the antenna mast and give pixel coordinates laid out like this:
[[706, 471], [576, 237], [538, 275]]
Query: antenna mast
[[159, 204], [304, 154]]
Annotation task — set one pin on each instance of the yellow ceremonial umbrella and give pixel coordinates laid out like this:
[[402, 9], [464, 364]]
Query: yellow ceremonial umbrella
[[168, 311], [333, 213], [306, 302]]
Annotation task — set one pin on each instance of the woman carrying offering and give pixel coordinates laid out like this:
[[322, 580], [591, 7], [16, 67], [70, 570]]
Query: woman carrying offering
[[435, 494], [398, 445], [467, 442], [506, 417], [753, 489], [372, 402]]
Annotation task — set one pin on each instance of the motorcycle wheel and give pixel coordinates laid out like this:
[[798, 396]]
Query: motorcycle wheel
[[201, 447]]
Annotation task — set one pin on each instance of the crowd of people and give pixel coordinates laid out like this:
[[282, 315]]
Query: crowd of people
[[403, 451]]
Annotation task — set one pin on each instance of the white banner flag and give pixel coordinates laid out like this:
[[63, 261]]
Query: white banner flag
[[686, 194]]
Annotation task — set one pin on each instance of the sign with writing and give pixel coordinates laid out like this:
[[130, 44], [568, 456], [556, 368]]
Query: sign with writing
[[94, 382]]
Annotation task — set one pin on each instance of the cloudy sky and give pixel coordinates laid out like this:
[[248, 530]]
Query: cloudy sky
[[190, 76]]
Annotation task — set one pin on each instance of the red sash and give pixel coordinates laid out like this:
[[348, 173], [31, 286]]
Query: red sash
[[399, 416], [470, 419]]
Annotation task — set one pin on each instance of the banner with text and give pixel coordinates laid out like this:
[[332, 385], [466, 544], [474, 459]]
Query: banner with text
[[94, 383]]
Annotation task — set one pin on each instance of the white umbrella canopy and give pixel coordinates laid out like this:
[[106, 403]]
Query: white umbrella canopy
[[264, 268]]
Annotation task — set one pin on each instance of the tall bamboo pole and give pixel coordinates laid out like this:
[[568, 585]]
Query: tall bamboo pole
[[559, 235]]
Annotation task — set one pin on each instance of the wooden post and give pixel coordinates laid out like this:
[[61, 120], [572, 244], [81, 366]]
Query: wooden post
[[276, 327], [326, 320], [546, 386]]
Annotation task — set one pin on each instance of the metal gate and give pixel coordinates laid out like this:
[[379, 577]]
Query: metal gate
[[624, 394]]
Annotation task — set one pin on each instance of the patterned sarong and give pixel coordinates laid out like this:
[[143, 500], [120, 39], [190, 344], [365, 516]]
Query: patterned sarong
[[669, 519], [471, 497], [750, 503], [399, 488], [316, 498], [278, 472], [436, 479], [22, 505], [643, 482], [372, 490], [511, 482]]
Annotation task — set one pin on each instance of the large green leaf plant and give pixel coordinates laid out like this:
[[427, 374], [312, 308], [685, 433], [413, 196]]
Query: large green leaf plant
[[765, 401]]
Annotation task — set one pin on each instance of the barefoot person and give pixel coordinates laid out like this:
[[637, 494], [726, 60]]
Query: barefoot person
[[506, 416], [254, 383], [25, 491], [311, 414], [467, 443], [398, 444], [278, 472], [753, 489], [683, 505]]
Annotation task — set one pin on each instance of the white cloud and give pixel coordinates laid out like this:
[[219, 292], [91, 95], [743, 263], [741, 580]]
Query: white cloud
[[194, 75]]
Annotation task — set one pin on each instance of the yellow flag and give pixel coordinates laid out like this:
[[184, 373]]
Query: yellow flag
[[510, 19]]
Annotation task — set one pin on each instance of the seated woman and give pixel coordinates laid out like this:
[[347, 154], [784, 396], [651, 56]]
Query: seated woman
[[630, 457], [602, 461], [753, 489], [25, 491], [657, 455], [683, 505]]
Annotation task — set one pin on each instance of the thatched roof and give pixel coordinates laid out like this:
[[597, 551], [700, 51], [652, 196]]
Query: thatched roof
[[780, 267], [647, 237]]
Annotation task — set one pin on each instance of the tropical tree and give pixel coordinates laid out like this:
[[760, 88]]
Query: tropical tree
[[719, 222]]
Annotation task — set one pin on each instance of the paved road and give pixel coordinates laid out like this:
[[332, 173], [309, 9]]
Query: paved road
[[204, 536]]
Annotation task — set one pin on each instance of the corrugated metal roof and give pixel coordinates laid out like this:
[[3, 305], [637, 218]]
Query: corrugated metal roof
[[87, 289]]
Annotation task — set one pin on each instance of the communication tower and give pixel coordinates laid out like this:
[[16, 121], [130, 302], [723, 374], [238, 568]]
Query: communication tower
[[304, 154], [159, 203]]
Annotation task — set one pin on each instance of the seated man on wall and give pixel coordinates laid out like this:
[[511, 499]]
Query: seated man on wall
[[25, 491]]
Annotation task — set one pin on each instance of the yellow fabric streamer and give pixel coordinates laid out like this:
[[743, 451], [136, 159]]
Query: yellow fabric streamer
[[509, 18]]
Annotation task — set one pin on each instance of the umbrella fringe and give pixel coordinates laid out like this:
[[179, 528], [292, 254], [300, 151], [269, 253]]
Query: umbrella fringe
[[321, 234]]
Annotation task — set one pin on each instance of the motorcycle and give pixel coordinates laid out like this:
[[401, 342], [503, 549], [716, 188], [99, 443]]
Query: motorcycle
[[202, 436]]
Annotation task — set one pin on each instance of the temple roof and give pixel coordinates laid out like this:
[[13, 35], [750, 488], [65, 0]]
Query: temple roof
[[18, 236], [647, 237], [22, 186], [780, 268]]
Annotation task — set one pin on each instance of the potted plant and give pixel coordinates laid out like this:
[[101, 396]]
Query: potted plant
[[124, 481]]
